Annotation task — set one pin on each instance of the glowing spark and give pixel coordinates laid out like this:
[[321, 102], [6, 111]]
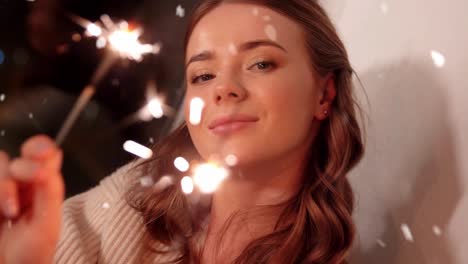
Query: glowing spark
[[231, 160], [381, 243], [438, 58], [2, 133], [180, 11], [155, 107], [93, 30], [407, 232], [126, 44], [151, 140], [437, 231], [164, 182], [105, 205], [187, 185], [232, 49], [181, 164], [2, 97], [76, 37], [208, 177], [384, 8], [255, 11], [31, 116], [270, 32], [101, 42], [196, 108], [146, 181], [137, 149], [120, 38]]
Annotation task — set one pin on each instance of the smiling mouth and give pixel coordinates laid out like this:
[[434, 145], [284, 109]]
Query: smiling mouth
[[229, 124]]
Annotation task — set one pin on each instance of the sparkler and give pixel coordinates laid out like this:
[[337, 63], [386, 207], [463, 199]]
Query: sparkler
[[207, 177], [122, 43]]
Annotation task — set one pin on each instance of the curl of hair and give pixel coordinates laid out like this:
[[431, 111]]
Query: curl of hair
[[322, 230]]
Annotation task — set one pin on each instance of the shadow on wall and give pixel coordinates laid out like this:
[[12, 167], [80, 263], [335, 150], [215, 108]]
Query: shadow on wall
[[409, 174]]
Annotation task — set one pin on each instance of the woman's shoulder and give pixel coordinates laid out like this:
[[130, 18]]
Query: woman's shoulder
[[99, 225]]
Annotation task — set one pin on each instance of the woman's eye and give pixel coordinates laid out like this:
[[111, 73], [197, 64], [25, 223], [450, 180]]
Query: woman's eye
[[264, 65], [202, 78]]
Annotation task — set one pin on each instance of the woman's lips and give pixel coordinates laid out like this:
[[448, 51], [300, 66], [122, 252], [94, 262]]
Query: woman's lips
[[231, 123]]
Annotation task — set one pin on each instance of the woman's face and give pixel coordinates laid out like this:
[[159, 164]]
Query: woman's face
[[250, 67]]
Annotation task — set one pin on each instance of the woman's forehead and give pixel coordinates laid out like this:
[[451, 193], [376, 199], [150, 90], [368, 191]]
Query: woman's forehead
[[237, 23]]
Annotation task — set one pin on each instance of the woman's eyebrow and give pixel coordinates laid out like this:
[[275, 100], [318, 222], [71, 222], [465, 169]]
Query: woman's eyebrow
[[250, 45]]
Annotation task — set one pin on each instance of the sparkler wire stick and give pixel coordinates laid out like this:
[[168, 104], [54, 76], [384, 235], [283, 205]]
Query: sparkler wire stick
[[123, 43], [85, 97]]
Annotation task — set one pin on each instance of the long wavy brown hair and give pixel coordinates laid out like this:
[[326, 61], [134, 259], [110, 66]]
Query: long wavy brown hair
[[316, 225]]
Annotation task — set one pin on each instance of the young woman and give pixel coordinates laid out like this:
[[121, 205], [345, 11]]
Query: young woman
[[276, 84]]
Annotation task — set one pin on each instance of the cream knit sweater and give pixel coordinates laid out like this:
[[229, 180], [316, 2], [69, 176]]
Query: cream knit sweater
[[100, 227]]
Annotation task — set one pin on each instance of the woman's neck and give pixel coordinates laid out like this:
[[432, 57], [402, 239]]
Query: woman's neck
[[245, 204]]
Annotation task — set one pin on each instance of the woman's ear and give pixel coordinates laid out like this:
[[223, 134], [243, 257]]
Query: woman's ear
[[327, 95]]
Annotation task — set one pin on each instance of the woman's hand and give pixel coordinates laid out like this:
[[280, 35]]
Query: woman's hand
[[31, 195]]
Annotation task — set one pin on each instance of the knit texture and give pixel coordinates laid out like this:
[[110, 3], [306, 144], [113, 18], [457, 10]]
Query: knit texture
[[98, 226]]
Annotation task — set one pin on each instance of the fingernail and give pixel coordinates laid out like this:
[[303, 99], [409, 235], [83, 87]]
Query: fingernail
[[40, 146], [10, 209]]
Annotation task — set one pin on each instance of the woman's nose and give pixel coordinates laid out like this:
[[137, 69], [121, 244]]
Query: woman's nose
[[229, 91]]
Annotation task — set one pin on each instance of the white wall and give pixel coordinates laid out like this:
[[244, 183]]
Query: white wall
[[414, 172]]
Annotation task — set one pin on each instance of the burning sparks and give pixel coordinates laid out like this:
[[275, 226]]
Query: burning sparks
[[232, 49], [270, 31], [105, 205], [438, 58], [407, 232], [101, 43], [437, 231], [119, 37], [181, 164], [231, 160], [2, 97], [180, 11], [155, 107], [207, 177], [255, 11], [384, 8], [163, 183], [124, 42], [187, 185], [196, 108], [146, 181], [127, 45], [137, 149], [381, 243], [93, 30]]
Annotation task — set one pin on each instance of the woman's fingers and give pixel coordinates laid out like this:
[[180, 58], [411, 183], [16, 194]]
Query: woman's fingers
[[49, 188], [9, 204], [9, 199], [4, 160], [39, 148], [36, 177], [49, 193], [25, 170]]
